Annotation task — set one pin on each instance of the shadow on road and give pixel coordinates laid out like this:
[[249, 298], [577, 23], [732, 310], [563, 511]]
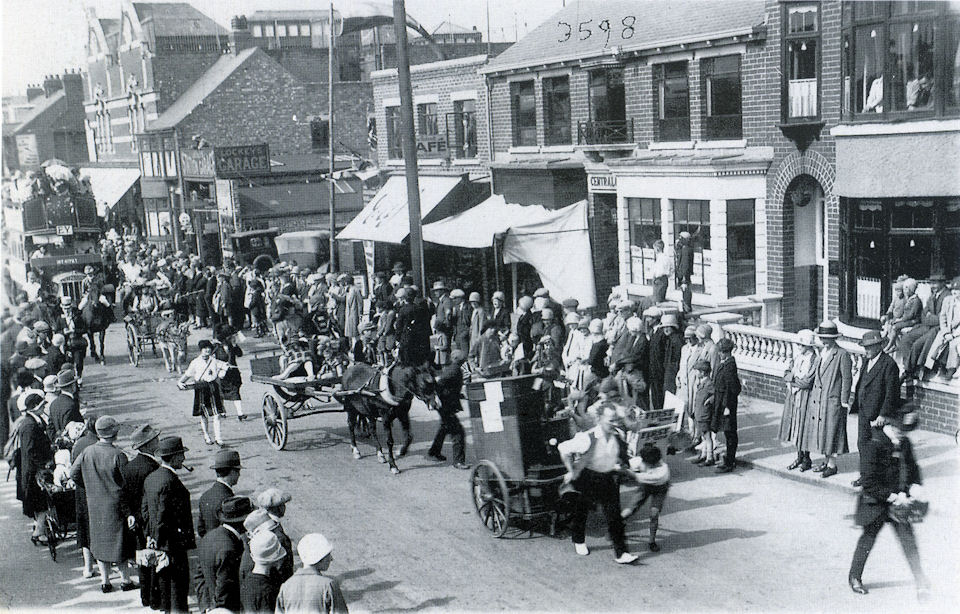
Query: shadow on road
[[434, 602]]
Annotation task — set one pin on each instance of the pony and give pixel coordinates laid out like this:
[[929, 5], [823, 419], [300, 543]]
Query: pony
[[172, 335], [97, 313], [384, 393]]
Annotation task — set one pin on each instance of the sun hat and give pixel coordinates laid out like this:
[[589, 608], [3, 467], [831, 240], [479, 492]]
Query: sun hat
[[41, 326], [106, 427], [265, 548], [50, 383], [35, 363], [704, 331], [235, 509], [272, 497], [313, 548], [226, 458], [806, 337], [500, 295], [669, 319], [474, 297], [171, 445], [142, 436], [596, 326], [457, 293]]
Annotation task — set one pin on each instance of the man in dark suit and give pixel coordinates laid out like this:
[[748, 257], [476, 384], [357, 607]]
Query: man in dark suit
[[56, 353], [460, 321], [726, 382], [382, 291], [169, 523], [227, 465], [449, 383], [145, 440], [683, 269], [220, 553], [888, 469], [413, 329], [920, 337], [628, 362], [65, 409], [877, 397]]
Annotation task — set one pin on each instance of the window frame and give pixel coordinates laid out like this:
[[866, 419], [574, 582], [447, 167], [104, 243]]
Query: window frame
[[425, 125], [460, 145], [659, 92], [393, 122], [946, 24], [556, 131], [256, 30], [516, 128], [697, 243], [712, 129], [733, 289], [786, 39], [639, 226]]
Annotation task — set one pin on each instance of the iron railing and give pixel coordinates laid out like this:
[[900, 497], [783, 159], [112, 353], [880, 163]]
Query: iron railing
[[605, 132]]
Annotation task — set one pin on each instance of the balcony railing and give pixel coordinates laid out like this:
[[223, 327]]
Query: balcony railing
[[605, 132], [768, 351]]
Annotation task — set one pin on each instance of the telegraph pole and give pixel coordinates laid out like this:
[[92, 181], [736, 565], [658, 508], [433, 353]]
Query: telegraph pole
[[332, 167], [409, 144]]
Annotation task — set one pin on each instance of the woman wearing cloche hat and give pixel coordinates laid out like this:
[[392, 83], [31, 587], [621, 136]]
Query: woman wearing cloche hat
[[799, 380], [309, 590]]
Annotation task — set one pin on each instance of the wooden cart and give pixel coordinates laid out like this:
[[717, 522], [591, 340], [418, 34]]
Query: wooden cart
[[519, 471], [291, 398]]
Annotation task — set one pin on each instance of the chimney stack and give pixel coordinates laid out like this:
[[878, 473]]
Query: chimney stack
[[240, 37], [34, 91], [51, 84], [72, 82]]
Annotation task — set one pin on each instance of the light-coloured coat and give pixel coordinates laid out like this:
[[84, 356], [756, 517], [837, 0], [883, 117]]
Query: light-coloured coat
[[949, 324], [830, 400]]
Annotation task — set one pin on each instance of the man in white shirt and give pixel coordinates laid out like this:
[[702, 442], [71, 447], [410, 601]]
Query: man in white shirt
[[602, 455], [662, 269]]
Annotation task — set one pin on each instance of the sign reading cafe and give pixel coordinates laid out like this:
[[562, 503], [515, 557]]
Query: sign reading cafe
[[242, 160]]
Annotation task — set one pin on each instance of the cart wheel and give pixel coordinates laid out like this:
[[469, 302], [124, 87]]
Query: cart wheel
[[50, 532], [490, 497], [133, 346], [274, 421]]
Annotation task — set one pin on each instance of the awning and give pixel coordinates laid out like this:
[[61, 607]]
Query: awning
[[109, 185], [555, 242], [385, 218]]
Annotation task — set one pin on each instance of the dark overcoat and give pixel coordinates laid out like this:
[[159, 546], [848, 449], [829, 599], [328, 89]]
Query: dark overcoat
[[877, 394], [63, 410], [219, 557], [880, 475], [209, 506], [100, 467], [35, 453], [726, 382]]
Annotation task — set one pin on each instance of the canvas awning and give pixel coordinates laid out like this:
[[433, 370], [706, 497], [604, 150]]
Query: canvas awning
[[385, 218], [109, 185], [555, 242]]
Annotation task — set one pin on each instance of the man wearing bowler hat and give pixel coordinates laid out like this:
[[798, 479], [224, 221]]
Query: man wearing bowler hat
[[227, 465], [145, 441], [219, 553], [169, 526], [877, 397]]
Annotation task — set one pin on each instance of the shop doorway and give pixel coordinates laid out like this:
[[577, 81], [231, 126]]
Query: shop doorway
[[805, 197]]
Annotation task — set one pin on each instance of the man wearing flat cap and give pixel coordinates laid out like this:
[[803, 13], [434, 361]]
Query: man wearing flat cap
[[877, 396], [145, 441], [462, 311], [274, 503], [169, 524], [226, 464], [100, 468], [219, 556]]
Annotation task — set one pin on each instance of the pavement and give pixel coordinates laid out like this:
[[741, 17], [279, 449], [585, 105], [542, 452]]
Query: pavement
[[752, 540]]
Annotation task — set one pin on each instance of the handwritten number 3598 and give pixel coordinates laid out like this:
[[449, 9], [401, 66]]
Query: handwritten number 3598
[[585, 32]]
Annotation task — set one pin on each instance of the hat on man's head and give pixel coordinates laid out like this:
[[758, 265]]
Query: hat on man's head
[[227, 458], [41, 327], [634, 324], [107, 426], [525, 302], [474, 297], [541, 292], [871, 337], [66, 378], [143, 435], [457, 293], [313, 548], [726, 345], [704, 331], [439, 285], [272, 497], [828, 330], [35, 364], [170, 445], [652, 312], [235, 509], [571, 303], [50, 383], [265, 548]]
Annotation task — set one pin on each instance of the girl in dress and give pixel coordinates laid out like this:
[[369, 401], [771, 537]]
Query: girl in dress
[[228, 351], [206, 372]]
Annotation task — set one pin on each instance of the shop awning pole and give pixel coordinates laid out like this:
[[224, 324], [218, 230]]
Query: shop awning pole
[[409, 143], [332, 209]]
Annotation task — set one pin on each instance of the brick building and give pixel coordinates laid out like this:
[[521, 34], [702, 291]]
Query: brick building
[[49, 125]]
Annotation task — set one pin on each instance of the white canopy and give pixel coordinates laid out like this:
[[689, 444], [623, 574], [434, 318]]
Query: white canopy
[[555, 242], [109, 185], [385, 218]]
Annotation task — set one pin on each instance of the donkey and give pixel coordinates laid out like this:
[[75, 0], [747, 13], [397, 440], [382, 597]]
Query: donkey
[[384, 393], [172, 338]]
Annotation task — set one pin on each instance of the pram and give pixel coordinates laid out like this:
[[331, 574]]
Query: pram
[[61, 519]]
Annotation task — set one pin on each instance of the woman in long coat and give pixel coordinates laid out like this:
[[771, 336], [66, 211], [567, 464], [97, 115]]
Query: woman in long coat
[[353, 305], [799, 380], [35, 452], [99, 467], [830, 400]]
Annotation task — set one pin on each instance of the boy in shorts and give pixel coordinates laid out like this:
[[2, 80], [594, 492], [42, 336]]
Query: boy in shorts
[[653, 475]]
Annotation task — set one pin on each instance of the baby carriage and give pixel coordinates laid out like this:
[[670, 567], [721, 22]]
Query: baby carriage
[[61, 519]]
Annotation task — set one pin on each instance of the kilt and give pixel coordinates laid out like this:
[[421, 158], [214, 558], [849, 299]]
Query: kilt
[[207, 399]]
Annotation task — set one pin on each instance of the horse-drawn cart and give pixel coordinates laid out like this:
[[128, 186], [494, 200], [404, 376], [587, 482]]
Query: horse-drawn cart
[[141, 331], [519, 471], [294, 397]]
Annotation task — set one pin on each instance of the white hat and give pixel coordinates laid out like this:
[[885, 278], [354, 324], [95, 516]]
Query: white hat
[[541, 292], [474, 297], [313, 548], [634, 323], [266, 548], [806, 337], [596, 326], [457, 293]]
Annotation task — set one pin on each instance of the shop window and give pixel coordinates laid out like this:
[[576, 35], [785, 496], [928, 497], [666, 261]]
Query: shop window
[[643, 215], [556, 110], [257, 31], [462, 127], [523, 111], [741, 248], [281, 30], [268, 31], [693, 216], [304, 29], [293, 30], [427, 119], [722, 98], [801, 70], [394, 138], [673, 102], [885, 238], [900, 59]]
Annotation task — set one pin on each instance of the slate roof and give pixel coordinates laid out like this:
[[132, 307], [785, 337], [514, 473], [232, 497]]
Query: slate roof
[[208, 82], [658, 23], [175, 19], [42, 105]]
